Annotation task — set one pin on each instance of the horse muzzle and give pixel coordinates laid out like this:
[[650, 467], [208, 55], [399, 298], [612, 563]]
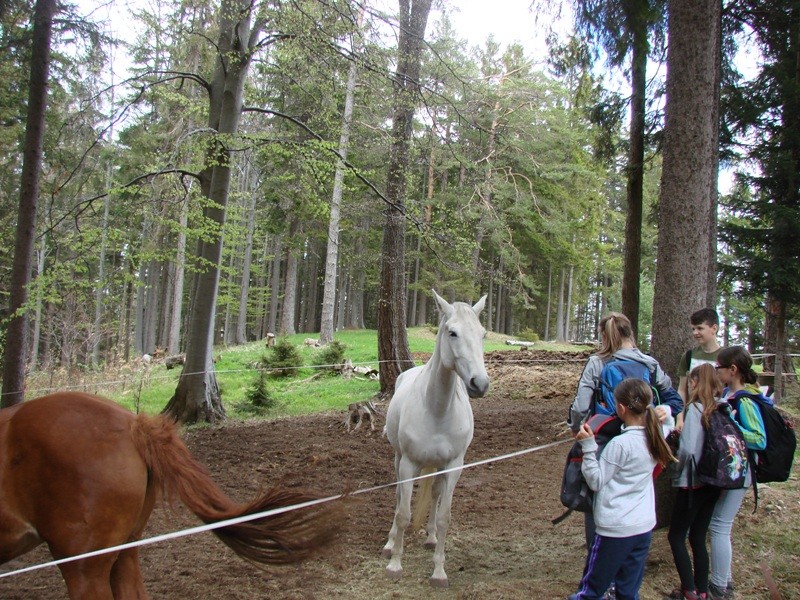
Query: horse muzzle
[[478, 386]]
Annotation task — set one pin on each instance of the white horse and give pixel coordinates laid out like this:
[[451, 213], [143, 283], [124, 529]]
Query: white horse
[[429, 424]]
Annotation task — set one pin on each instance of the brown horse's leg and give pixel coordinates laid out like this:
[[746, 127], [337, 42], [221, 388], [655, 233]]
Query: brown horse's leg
[[89, 579], [126, 577]]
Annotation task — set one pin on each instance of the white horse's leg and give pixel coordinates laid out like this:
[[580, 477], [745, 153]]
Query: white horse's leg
[[439, 577], [387, 549], [430, 529], [402, 517]]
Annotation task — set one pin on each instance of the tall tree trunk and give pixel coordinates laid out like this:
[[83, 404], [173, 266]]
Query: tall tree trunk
[[197, 397], [778, 359], [174, 336], [635, 169], [244, 289], [549, 300], [16, 350], [560, 309], [289, 307], [152, 293], [36, 337], [487, 193], [713, 192], [394, 354], [568, 311], [332, 255], [275, 286], [688, 170]]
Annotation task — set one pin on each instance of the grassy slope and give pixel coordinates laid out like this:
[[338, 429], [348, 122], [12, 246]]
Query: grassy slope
[[149, 388]]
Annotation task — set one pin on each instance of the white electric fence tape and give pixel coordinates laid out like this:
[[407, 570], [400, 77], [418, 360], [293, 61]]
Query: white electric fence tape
[[269, 513]]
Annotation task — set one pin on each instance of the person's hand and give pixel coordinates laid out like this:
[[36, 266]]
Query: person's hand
[[662, 412], [679, 422], [584, 433]]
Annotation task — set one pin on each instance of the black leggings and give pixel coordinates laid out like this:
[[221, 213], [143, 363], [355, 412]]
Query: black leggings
[[691, 516]]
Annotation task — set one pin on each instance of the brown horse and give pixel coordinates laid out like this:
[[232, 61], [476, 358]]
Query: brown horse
[[81, 473]]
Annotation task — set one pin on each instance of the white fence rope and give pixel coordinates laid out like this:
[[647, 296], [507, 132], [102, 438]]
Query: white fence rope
[[269, 513]]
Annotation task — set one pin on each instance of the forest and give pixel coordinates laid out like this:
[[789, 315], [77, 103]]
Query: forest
[[241, 168]]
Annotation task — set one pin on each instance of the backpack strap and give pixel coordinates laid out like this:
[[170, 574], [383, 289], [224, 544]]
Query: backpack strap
[[751, 456], [689, 361]]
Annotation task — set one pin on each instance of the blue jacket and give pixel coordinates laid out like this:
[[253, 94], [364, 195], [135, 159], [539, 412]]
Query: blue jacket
[[748, 416], [582, 404]]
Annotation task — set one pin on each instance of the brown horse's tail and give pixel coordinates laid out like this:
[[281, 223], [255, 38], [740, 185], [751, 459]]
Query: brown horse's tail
[[280, 539]]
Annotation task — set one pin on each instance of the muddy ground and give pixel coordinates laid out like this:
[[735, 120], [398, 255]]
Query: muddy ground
[[501, 544]]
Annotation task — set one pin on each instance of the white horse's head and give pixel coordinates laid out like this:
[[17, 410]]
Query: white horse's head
[[460, 343]]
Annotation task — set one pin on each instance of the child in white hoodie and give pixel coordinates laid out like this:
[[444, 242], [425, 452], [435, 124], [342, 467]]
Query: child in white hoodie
[[624, 499]]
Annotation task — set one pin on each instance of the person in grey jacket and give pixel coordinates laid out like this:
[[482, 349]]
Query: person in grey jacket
[[694, 502], [617, 341], [624, 500]]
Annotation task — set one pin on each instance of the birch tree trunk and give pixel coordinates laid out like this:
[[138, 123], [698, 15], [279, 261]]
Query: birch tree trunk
[[332, 254]]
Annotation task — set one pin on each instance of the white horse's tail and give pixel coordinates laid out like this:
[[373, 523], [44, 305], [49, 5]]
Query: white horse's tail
[[423, 504]]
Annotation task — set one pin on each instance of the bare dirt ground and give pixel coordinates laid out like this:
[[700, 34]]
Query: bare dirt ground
[[501, 543]]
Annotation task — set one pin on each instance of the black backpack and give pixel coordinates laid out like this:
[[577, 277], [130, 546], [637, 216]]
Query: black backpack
[[774, 463], [723, 462], [575, 492]]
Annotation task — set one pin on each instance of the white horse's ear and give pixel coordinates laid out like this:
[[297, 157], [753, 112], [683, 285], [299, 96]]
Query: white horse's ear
[[445, 308], [478, 307]]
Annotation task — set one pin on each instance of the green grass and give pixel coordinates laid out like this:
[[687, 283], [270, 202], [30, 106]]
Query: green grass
[[149, 388]]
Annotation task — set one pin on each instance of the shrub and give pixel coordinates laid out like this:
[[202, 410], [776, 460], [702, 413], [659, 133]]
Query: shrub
[[283, 359], [331, 356], [259, 394], [528, 335]]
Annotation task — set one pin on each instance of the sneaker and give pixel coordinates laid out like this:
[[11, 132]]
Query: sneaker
[[718, 593], [611, 594]]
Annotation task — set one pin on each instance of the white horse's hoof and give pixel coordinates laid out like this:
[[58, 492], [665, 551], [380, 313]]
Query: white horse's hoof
[[393, 574], [429, 545], [386, 553], [439, 582]]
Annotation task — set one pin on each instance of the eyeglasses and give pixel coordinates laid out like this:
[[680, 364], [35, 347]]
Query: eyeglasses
[[721, 367]]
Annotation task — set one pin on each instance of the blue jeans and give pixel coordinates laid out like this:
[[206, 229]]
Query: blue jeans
[[720, 528], [619, 560]]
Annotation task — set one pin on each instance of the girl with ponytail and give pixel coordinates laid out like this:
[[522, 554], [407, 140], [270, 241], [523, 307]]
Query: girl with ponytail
[[694, 502], [624, 499]]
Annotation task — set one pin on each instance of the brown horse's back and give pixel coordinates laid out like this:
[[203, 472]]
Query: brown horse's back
[[81, 473], [70, 476]]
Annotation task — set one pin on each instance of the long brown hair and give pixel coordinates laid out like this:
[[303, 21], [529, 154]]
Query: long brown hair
[[615, 329], [637, 397], [706, 389]]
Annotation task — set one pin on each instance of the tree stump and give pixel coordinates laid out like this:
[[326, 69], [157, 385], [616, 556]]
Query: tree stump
[[360, 412], [174, 360]]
